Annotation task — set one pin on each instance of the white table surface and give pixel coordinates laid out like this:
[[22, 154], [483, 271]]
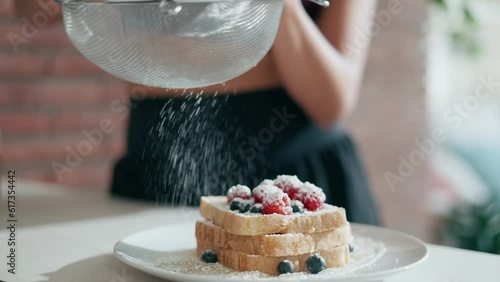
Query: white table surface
[[68, 235]]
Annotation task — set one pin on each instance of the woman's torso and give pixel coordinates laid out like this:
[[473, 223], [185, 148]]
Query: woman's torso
[[180, 148]]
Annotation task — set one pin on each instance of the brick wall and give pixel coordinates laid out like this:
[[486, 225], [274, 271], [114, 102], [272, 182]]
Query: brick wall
[[50, 94]]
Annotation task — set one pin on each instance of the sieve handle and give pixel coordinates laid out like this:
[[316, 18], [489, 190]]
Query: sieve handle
[[324, 3]]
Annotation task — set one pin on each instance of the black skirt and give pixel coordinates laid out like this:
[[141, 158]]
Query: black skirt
[[180, 148]]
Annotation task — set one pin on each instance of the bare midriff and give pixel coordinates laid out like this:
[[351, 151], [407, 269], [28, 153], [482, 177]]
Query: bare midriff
[[262, 76]]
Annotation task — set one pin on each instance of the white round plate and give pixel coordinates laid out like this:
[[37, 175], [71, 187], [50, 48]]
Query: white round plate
[[169, 252]]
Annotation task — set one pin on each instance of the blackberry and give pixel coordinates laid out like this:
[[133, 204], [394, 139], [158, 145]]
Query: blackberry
[[285, 266], [297, 207], [351, 247], [235, 204], [245, 206], [257, 208], [209, 256], [315, 263]]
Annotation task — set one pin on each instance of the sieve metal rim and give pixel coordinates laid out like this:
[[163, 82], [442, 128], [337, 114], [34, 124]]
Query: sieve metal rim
[[323, 3]]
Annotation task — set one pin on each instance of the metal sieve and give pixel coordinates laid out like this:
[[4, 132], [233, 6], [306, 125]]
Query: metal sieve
[[173, 43]]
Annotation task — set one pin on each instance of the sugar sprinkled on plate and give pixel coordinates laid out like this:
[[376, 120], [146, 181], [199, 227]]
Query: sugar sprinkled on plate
[[367, 252]]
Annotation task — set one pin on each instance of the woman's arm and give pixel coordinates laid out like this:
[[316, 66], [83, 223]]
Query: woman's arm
[[28, 8], [322, 65]]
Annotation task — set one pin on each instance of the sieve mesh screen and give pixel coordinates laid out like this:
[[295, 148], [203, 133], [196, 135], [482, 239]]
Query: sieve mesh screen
[[203, 44]]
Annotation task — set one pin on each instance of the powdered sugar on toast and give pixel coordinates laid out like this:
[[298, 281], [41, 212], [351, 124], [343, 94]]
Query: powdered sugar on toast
[[276, 196], [284, 206], [220, 202]]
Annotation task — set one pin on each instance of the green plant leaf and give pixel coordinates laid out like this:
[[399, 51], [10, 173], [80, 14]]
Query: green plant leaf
[[440, 3], [469, 16]]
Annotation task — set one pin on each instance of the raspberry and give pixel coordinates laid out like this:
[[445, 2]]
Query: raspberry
[[261, 191], [311, 196], [291, 191], [276, 202], [239, 191], [289, 184], [267, 182], [312, 203]]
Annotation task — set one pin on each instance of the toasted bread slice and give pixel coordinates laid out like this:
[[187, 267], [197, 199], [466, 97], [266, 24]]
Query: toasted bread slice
[[273, 245], [335, 257], [216, 209]]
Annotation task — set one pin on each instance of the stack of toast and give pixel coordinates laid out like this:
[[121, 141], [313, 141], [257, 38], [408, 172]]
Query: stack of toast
[[272, 243]]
